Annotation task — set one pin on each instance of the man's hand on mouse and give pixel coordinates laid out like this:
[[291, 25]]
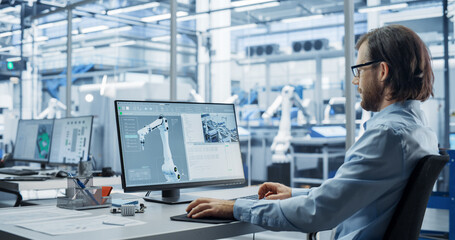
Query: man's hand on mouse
[[209, 207]]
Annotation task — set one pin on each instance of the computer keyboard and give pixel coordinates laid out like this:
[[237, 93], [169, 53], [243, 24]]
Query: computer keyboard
[[18, 172]]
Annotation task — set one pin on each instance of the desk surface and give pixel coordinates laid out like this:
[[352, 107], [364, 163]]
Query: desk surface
[[157, 226]]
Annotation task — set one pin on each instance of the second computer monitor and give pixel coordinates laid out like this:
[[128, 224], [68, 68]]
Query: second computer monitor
[[71, 140], [33, 140]]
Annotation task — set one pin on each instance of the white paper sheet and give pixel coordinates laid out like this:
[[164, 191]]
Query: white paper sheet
[[37, 214], [78, 225]]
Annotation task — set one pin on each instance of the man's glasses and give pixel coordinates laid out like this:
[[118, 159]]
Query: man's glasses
[[355, 69]]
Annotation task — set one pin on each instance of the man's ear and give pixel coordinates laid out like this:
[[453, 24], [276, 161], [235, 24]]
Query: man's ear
[[383, 71]]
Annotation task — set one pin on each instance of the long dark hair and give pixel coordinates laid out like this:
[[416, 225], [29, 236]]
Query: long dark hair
[[410, 74]]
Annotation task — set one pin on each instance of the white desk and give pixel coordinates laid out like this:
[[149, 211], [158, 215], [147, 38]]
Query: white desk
[[329, 147], [157, 226]]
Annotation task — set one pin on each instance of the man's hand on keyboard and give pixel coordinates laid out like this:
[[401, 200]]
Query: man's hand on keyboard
[[272, 191], [209, 207]]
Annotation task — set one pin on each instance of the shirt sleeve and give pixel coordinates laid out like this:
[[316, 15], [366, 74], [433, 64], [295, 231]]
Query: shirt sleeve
[[300, 191], [372, 166]]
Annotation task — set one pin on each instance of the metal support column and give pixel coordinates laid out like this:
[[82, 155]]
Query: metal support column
[[445, 24], [21, 68], [69, 50], [349, 60], [173, 72]]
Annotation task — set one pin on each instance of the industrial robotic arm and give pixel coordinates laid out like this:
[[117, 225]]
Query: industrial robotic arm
[[54, 109], [170, 171], [281, 142]]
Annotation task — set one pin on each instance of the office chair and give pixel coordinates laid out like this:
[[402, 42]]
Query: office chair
[[10, 198], [408, 216]]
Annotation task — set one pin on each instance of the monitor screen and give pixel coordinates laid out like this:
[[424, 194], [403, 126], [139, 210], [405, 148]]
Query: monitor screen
[[170, 145], [71, 140], [33, 140]]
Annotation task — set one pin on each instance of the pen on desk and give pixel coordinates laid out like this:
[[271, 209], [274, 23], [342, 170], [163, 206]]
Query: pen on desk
[[87, 191], [113, 223], [82, 186]]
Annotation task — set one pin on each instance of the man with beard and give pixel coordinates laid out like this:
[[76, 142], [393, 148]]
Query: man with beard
[[393, 74]]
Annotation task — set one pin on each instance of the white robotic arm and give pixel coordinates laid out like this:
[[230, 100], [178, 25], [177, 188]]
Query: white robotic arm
[[273, 108], [170, 171]]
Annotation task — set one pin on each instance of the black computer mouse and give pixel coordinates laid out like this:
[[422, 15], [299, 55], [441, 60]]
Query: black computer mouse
[[61, 174]]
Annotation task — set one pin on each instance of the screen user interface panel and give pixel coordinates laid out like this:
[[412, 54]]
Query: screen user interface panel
[[168, 143], [33, 140], [71, 140]]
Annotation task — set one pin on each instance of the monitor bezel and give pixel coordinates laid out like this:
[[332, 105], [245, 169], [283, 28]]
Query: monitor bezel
[[179, 185], [44, 161], [89, 144]]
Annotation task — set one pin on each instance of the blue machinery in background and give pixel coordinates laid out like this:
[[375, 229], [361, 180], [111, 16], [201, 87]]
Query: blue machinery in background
[[52, 85], [446, 200]]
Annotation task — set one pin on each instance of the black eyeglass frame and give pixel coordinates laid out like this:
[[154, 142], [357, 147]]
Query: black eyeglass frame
[[354, 68]]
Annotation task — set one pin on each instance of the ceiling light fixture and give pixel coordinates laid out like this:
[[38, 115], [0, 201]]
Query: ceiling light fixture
[[163, 38], [133, 8], [302, 19], [120, 44], [94, 29], [191, 17], [161, 17], [257, 6], [58, 23], [382, 8], [13, 59]]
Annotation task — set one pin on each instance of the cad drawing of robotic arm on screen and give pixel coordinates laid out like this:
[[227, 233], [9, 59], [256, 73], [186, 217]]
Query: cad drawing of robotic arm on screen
[[170, 171]]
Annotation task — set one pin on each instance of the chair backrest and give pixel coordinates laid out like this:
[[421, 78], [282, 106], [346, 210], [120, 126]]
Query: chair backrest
[[408, 216]]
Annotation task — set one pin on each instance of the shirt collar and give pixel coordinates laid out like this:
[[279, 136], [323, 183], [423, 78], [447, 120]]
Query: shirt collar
[[398, 106]]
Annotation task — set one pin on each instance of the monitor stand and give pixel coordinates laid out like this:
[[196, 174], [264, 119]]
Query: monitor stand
[[170, 197]]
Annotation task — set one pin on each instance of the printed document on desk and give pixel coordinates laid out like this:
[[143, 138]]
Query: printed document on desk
[[78, 225], [37, 214]]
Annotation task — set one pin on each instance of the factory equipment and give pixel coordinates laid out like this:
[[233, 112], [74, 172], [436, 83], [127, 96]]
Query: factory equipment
[[281, 142], [310, 45], [55, 109], [262, 50]]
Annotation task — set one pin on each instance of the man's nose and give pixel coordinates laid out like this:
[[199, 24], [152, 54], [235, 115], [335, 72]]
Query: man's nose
[[355, 81]]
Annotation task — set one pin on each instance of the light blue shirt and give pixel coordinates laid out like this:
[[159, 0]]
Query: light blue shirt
[[361, 198]]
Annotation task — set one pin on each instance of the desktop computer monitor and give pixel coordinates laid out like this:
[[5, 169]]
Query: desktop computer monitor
[[172, 145], [33, 140], [71, 140]]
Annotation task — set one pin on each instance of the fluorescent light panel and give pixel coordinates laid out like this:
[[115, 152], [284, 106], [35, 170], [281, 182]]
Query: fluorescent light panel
[[382, 8], [302, 19], [256, 7], [133, 8], [164, 38], [13, 59], [161, 17], [191, 17], [58, 23], [94, 29], [125, 43]]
